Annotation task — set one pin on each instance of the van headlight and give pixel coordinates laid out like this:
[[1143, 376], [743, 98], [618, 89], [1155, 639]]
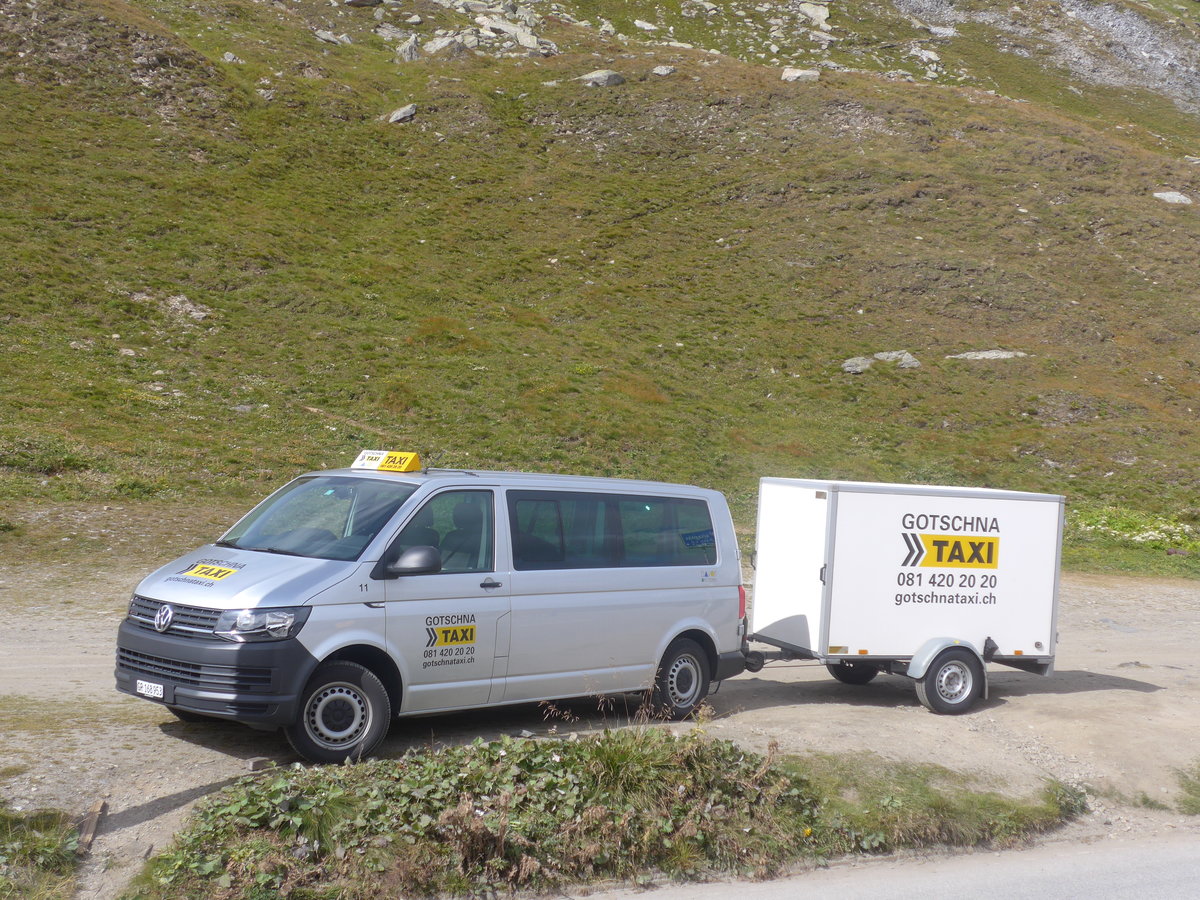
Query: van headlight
[[273, 624]]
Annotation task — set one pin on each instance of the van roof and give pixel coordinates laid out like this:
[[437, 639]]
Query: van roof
[[509, 479]]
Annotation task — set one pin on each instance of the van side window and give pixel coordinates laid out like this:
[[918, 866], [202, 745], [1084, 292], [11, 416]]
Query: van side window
[[660, 531], [697, 542], [564, 530], [460, 525]]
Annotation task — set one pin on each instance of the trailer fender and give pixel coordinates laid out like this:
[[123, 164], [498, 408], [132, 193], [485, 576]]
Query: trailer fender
[[928, 652]]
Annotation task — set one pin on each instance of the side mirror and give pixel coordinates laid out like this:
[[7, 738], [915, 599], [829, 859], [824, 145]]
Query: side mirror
[[420, 560]]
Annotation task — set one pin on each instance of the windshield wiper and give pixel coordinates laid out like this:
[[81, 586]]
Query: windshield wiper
[[227, 544], [273, 550]]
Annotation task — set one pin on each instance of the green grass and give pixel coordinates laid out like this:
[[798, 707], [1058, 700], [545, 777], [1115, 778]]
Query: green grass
[[633, 805], [24, 715], [659, 280], [37, 855], [1189, 782], [1122, 540], [882, 806]]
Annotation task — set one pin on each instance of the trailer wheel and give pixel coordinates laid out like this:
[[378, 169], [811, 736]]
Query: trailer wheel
[[682, 680], [853, 672], [953, 683], [344, 714]]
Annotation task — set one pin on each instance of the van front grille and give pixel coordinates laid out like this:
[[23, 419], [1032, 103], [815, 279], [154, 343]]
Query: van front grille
[[222, 679], [194, 622]]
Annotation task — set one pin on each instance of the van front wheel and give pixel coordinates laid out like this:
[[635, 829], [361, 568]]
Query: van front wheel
[[682, 680], [344, 714]]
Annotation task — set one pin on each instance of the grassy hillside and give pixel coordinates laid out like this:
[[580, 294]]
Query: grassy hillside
[[218, 273]]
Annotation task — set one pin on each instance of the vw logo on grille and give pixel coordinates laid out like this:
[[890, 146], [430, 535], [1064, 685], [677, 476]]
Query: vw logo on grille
[[162, 618]]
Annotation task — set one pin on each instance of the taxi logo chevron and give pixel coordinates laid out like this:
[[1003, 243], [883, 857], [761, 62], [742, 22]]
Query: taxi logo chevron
[[450, 637], [951, 551]]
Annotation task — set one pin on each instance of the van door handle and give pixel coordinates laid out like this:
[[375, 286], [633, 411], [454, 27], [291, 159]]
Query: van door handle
[[490, 583]]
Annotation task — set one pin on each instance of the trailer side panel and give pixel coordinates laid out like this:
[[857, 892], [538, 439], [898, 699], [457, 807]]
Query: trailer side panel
[[976, 565]]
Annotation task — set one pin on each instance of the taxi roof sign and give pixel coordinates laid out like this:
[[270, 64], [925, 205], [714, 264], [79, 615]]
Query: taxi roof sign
[[387, 461]]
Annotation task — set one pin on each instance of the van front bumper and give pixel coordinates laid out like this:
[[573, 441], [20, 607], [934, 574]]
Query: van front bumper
[[258, 684]]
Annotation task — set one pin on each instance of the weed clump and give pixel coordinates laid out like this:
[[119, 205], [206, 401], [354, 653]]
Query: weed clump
[[625, 805], [1189, 781], [490, 816], [37, 855]]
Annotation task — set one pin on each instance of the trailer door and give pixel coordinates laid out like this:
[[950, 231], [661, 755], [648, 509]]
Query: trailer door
[[792, 537]]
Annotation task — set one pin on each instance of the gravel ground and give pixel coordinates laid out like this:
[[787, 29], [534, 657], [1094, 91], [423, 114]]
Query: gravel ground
[[1121, 715]]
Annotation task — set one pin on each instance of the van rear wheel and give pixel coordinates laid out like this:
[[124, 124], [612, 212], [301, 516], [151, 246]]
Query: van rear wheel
[[682, 680], [344, 714]]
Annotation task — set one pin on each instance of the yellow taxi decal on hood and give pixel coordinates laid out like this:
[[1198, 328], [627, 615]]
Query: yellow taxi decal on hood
[[212, 573]]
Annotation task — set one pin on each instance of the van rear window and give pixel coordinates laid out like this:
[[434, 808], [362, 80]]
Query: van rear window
[[567, 530]]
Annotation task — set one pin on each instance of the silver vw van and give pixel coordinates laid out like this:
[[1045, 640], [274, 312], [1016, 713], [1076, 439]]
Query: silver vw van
[[351, 596]]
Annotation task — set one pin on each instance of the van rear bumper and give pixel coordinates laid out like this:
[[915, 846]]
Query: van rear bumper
[[258, 684], [729, 664]]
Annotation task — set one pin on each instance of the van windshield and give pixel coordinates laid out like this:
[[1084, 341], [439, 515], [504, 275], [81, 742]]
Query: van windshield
[[324, 517]]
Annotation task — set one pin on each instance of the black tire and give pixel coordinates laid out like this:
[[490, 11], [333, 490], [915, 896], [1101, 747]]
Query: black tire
[[186, 715], [953, 683], [853, 672], [344, 714], [682, 681]]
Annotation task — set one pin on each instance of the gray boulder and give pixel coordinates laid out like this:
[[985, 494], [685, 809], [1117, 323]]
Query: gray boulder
[[390, 32], [1174, 197], [439, 44], [988, 354], [329, 37], [403, 114], [790, 75], [602, 78], [409, 51], [902, 358]]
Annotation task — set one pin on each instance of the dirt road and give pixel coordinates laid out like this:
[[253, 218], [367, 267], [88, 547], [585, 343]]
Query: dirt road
[[1121, 714]]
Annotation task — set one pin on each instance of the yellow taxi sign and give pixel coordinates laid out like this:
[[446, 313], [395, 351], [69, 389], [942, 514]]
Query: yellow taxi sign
[[387, 461], [951, 551]]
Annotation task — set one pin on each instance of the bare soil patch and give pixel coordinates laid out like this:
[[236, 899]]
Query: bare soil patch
[[1121, 714]]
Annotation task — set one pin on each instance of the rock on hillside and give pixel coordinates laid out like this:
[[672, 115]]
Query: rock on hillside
[[1102, 43]]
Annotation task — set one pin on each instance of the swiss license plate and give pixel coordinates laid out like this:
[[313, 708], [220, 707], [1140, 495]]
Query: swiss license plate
[[149, 689]]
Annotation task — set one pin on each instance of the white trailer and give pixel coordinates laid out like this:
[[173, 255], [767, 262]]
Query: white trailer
[[926, 582]]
